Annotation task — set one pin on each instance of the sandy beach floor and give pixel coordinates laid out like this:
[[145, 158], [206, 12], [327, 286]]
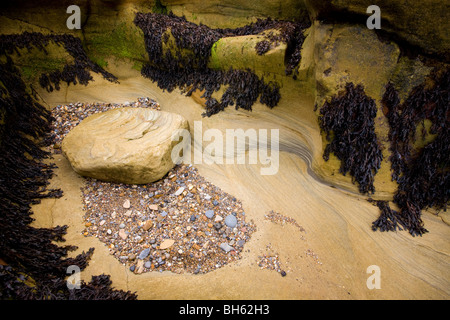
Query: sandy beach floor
[[319, 236]]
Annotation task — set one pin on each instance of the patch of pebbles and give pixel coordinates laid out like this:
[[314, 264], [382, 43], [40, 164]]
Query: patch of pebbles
[[281, 219], [270, 260], [181, 223]]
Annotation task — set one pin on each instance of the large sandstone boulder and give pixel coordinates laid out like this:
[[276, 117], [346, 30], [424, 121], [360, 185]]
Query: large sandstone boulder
[[128, 145]]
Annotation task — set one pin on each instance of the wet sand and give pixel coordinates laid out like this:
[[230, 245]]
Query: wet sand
[[327, 261]]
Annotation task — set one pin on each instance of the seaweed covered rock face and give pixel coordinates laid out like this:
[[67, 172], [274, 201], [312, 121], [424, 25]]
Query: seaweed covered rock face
[[128, 145], [179, 52], [422, 173], [350, 117]]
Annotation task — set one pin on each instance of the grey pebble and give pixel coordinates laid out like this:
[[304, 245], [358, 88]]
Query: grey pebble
[[226, 247], [209, 213], [144, 253], [148, 264], [230, 221], [122, 225]]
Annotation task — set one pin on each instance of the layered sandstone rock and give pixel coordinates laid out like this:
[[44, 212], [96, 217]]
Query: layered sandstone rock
[[128, 145]]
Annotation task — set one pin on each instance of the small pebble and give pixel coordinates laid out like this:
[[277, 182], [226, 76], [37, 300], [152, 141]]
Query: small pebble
[[209, 213], [127, 204], [179, 191], [226, 247], [230, 221], [144, 254]]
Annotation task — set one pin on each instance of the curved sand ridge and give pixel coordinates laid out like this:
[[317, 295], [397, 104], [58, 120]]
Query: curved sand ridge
[[327, 261]]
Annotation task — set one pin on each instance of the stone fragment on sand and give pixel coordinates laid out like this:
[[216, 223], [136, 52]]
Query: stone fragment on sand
[[124, 145], [147, 225], [126, 204], [139, 266], [179, 191], [226, 247], [153, 207], [166, 244], [123, 234]]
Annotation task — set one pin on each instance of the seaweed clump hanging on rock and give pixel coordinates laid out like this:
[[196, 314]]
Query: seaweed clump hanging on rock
[[348, 121], [423, 174], [77, 72], [186, 66], [32, 266], [290, 33]]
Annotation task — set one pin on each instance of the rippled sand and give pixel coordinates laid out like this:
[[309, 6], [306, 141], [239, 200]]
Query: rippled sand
[[327, 261]]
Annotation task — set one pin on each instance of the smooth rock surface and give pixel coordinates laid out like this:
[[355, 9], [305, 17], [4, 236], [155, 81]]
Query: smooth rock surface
[[127, 145]]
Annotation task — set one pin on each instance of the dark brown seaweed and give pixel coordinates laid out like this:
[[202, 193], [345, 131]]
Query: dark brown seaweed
[[190, 72], [423, 175], [78, 72], [32, 266], [349, 117]]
